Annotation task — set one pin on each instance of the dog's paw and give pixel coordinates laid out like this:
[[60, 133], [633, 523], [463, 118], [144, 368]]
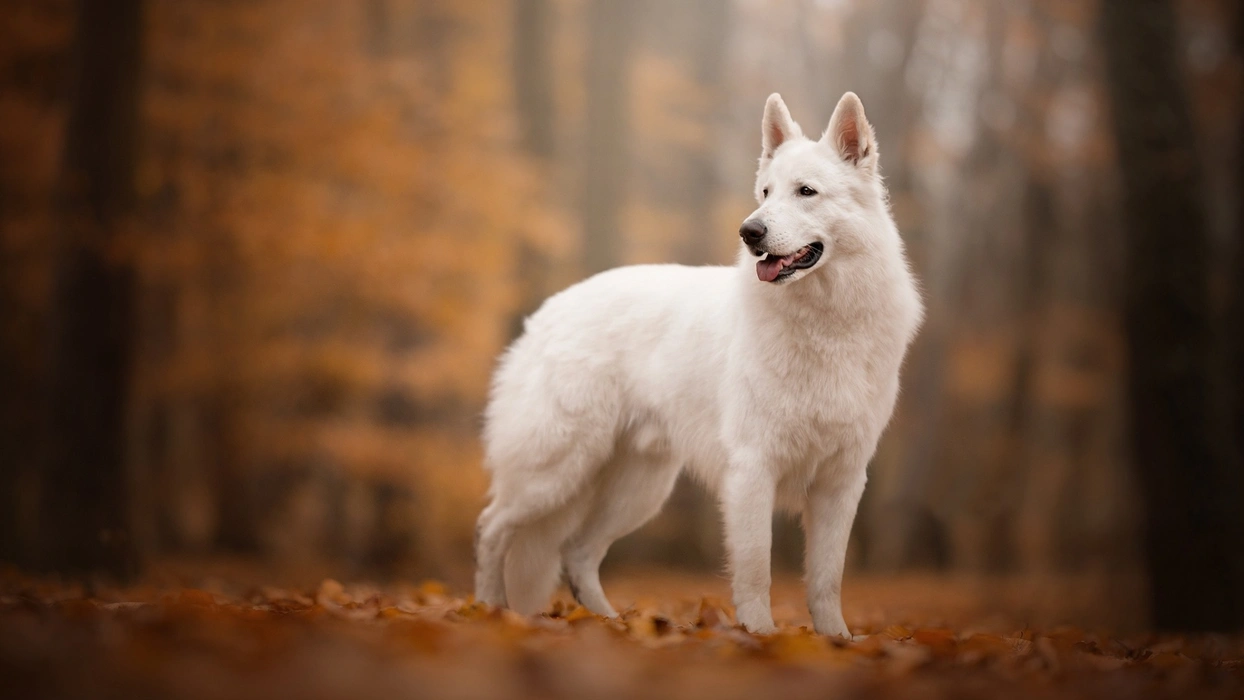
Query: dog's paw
[[834, 629], [756, 618], [761, 628]]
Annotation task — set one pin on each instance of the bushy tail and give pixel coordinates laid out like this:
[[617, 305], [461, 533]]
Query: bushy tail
[[531, 571], [533, 565]]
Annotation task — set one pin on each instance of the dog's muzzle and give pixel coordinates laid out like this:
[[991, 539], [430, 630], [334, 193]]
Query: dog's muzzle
[[774, 268]]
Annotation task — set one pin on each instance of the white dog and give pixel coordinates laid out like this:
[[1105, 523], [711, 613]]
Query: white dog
[[771, 381]]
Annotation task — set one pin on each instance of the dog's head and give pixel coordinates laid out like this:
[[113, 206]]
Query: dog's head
[[815, 197]]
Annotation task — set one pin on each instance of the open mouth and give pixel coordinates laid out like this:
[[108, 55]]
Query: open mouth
[[772, 268]]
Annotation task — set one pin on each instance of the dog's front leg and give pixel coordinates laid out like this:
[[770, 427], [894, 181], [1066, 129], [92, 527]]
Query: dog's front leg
[[827, 519], [747, 508]]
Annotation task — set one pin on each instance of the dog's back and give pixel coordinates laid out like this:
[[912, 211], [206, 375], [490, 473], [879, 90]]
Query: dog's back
[[602, 358]]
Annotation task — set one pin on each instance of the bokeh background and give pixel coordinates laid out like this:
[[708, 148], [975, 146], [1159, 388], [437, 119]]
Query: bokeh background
[[258, 260]]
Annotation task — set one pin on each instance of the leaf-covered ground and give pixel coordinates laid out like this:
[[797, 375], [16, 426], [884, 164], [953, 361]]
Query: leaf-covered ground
[[237, 641]]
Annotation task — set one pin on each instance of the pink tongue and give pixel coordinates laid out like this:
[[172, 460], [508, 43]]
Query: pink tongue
[[769, 268]]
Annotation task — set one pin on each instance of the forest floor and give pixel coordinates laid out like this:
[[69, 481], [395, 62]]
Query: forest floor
[[923, 636]]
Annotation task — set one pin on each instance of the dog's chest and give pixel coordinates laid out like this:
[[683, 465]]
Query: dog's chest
[[811, 399]]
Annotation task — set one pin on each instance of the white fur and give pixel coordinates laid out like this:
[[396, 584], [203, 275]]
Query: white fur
[[774, 395]]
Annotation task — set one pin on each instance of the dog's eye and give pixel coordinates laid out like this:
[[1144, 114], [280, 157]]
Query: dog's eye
[[764, 192], [806, 191]]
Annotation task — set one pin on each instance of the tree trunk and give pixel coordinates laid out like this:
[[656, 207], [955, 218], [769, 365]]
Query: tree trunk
[[610, 41], [708, 40], [533, 75], [1192, 501], [84, 483], [1235, 319], [1233, 398], [533, 87]]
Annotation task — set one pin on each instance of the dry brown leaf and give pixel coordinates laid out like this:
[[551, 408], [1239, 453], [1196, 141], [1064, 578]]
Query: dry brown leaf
[[191, 596], [906, 657], [939, 641], [982, 647], [1168, 660], [331, 592], [712, 615], [897, 632]]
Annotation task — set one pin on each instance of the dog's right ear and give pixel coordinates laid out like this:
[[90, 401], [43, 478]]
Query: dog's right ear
[[777, 127]]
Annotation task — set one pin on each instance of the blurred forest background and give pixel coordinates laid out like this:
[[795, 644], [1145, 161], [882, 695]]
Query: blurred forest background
[[257, 260]]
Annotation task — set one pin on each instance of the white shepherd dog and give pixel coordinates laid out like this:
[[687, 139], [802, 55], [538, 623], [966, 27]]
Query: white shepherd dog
[[771, 381]]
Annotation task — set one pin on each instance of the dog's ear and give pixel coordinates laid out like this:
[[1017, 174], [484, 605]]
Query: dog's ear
[[849, 132], [777, 127]]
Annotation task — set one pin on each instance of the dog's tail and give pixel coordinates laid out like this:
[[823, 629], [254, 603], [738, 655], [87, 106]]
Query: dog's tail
[[533, 565]]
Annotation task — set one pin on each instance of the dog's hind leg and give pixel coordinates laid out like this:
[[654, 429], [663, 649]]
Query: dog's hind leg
[[493, 534], [545, 439], [628, 493], [522, 501]]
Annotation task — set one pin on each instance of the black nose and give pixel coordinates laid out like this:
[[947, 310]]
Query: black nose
[[753, 231]]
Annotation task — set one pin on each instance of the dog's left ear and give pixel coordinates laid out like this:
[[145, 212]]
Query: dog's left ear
[[850, 134]]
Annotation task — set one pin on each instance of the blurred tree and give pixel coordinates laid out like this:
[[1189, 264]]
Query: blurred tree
[[1235, 321], [533, 97], [83, 504], [710, 23], [533, 75], [1234, 324], [1233, 387], [35, 37], [610, 25], [1191, 495]]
